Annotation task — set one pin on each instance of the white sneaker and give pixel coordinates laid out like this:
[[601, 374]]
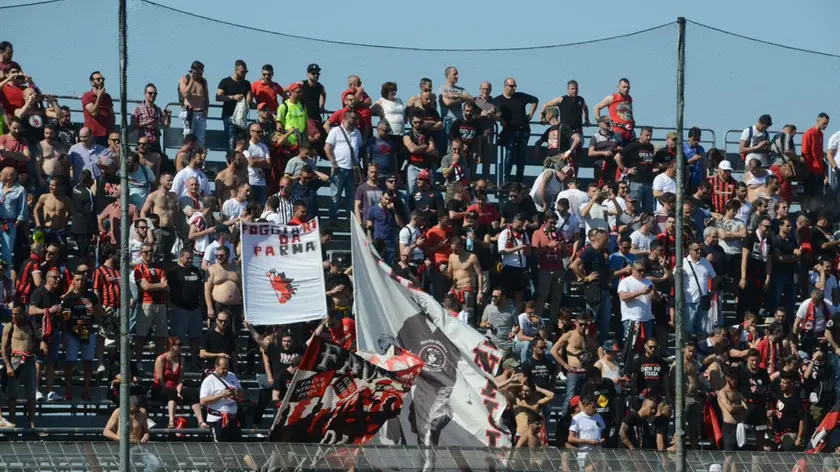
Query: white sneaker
[[151, 424], [109, 342], [39, 396], [561, 376], [100, 369], [5, 424], [52, 396]]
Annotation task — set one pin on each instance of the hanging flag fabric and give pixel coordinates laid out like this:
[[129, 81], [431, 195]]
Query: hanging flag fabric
[[282, 273], [338, 397], [454, 400]]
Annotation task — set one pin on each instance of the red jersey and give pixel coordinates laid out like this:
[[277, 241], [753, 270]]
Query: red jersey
[[14, 145], [267, 93], [548, 259], [24, 285], [152, 275], [722, 192], [344, 335], [621, 113], [104, 121], [812, 151], [171, 377], [436, 235], [365, 118], [106, 280], [486, 214], [12, 98]]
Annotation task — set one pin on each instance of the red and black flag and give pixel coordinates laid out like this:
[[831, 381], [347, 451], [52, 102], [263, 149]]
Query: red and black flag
[[822, 435]]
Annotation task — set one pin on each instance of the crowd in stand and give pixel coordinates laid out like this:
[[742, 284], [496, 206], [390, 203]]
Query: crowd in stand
[[499, 255]]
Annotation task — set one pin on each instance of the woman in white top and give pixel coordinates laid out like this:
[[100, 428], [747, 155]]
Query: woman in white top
[[756, 179], [391, 109], [609, 367]]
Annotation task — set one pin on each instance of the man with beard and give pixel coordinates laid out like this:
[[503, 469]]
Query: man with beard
[[14, 150], [754, 385], [164, 203], [150, 158], [648, 375], [49, 157], [229, 178]]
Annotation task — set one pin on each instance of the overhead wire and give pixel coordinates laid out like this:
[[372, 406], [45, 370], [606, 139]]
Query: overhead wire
[[761, 41], [32, 4]]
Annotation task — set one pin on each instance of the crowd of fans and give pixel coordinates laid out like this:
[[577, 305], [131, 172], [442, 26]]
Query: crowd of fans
[[501, 256]]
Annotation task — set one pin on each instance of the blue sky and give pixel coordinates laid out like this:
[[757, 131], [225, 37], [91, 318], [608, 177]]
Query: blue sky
[[729, 81]]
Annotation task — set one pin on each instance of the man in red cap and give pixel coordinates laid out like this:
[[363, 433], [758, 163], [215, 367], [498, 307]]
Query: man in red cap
[[426, 199], [350, 101]]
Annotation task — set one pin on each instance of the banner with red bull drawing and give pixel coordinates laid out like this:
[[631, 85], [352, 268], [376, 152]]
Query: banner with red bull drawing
[[338, 397], [282, 273]]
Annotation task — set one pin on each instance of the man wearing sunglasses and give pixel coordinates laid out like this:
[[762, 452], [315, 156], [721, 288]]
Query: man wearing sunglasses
[[153, 293], [230, 92], [44, 307], [150, 119], [99, 109], [266, 90]]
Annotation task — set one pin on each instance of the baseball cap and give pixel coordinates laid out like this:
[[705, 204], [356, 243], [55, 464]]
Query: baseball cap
[[293, 86], [262, 106], [765, 120], [313, 68], [725, 165], [424, 175], [604, 119], [612, 347], [390, 177], [345, 93], [339, 260], [575, 401], [510, 363], [222, 229]]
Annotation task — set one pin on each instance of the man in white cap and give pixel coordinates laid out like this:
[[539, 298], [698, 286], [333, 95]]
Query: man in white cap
[[723, 186]]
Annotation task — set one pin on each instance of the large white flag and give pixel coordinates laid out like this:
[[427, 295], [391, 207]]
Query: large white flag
[[282, 273], [454, 401]]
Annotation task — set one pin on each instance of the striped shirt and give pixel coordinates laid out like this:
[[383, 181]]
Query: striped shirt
[[284, 210], [722, 192], [106, 280], [24, 285]]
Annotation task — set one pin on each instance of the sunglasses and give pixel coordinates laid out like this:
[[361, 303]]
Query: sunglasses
[[151, 93], [52, 253], [145, 252], [219, 320], [114, 140]]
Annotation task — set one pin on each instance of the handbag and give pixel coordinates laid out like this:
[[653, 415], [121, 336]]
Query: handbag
[[240, 114], [592, 292], [705, 302]]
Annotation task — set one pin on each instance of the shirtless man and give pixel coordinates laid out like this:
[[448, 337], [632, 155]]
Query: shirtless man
[[461, 269], [50, 157], [163, 203], [574, 351], [228, 180], [733, 407], [528, 414], [693, 401], [57, 210], [223, 289], [196, 101], [182, 157], [139, 424], [148, 157]]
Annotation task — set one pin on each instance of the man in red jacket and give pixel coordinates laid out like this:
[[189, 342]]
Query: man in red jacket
[[812, 155]]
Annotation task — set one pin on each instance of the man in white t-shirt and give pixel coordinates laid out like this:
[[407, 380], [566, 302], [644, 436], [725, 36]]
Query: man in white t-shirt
[[812, 318], [343, 150], [545, 188], [411, 238], [822, 279], [595, 211], [258, 163], [234, 207], [755, 142], [637, 294], [699, 279], [220, 393], [575, 196], [192, 169], [665, 183], [587, 428], [642, 237]]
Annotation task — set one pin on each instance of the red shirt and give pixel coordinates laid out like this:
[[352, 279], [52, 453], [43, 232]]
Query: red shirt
[[365, 119], [486, 215], [267, 93], [344, 336], [107, 281], [295, 222], [550, 259], [436, 235], [812, 151], [12, 99], [152, 275], [722, 192], [105, 121]]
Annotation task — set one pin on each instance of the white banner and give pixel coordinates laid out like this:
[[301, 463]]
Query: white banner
[[454, 401], [282, 273]]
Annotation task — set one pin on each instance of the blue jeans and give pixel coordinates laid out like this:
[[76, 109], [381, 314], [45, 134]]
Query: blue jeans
[[516, 146], [574, 382], [341, 180], [444, 141], [411, 180], [259, 193], [523, 348], [232, 132], [7, 243], [602, 313], [695, 320], [643, 193], [782, 293]]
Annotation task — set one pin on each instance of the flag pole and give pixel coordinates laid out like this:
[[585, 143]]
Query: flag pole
[[678, 270]]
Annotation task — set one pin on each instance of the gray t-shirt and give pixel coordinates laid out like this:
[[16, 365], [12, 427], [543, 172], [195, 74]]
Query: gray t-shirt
[[454, 112], [501, 324], [461, 174], [297, 163]]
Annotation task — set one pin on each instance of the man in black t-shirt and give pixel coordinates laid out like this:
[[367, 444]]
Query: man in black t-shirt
[[636, 431], [457, 205], [519, 202], [84, 224], [220, 342], [185, 292], [44, 308], [823, 241], [562, 142], [231, 91], [516, 128], [754, 385], [426, 199], [756, 273], [593, 268], [786, 255], [648, 374], [82, 314], [636, 161], [789, 418], [540, 368]]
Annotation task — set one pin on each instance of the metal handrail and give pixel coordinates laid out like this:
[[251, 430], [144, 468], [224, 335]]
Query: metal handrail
[[92, 430]]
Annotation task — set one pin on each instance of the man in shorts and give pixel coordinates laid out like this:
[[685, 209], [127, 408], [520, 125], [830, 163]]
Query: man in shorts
[[153, 288], [19, 344], [82, 314], [186, 292]]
